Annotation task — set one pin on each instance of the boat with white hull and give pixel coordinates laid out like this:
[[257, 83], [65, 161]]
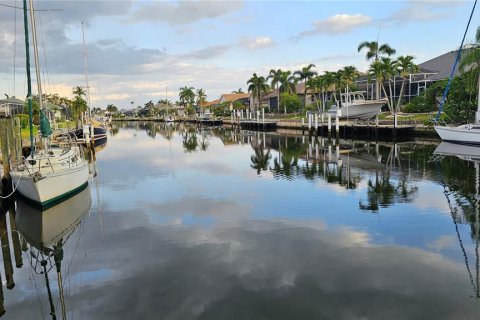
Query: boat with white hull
[[354, 106], [465, 134], [50, 178], [52, 173]]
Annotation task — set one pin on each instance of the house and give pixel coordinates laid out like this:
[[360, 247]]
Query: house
[[430, 71], [270, 99], [11, 106], [232, 98], [210, 104]]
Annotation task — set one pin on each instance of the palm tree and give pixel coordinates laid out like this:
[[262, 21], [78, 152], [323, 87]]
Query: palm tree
[[287, 82], [275, 76], [348, 76], [257, 86], [187, 95], [329, 81], [374, 51], [201, 97], [471, 61], [305, 74], [78, 91], [405, 67], [376, 71], [389, 67], [240, 90]]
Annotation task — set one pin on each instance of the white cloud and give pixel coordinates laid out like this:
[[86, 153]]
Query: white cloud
[[337, 24], [207, 53], [257, 43], [183, 12], [423, 11]]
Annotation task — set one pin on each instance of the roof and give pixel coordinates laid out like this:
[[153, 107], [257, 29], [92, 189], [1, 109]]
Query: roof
[[211, 103], [12, 100], [232, 97], [442, 65]]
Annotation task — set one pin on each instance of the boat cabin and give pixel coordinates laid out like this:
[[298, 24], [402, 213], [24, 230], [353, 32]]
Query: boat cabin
[[354, 97]]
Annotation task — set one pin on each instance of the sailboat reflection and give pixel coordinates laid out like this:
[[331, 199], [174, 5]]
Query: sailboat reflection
[[461, 212], [46, 233]]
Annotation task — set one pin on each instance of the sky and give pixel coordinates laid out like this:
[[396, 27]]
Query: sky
[[139, 51]]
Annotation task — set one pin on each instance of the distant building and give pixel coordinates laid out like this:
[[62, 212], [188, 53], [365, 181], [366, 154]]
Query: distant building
[[11, 107]]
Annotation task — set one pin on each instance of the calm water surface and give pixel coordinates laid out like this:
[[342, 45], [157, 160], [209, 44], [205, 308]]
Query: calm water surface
[[189, 223]]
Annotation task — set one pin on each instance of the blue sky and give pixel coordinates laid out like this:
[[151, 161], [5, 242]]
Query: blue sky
[[137, 48]]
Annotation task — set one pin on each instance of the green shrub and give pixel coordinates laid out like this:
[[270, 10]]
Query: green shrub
[[23, 120], [290, 101]]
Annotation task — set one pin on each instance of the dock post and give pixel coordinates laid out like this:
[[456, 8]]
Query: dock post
[[17, 137], [316, 122], [309, 121], [5, 155], [263, 116], [337, 126], [329, 124]]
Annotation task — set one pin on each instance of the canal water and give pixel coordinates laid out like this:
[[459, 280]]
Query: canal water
[[182, 222]]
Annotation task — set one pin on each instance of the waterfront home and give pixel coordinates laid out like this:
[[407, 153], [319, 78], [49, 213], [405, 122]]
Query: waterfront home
[[233, 98], [430, 71], [11, 106]]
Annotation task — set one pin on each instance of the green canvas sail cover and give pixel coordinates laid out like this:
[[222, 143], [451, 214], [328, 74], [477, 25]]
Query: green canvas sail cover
[[45, 125]]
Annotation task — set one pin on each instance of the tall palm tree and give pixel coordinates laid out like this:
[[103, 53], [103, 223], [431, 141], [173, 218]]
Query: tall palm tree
[[471, 61], [287, 82], [405, 67], [201, 97], [374, 51], [376, 71], [305, 74], [78, 91], [389, 67], [275, 76], [348, 76], [187, 95], [329, 81], [257, 86], [314, 84]]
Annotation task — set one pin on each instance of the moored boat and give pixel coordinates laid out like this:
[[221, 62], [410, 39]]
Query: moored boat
[[50, 174], [354, 106]]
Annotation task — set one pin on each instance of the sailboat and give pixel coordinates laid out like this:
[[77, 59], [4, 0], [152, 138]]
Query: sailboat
[[46, 232], [168, 118], [50, 174], [93, 129], [465, 133]]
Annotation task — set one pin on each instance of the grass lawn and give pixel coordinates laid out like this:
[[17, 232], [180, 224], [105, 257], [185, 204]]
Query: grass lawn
[[419, 117], [61, 125]]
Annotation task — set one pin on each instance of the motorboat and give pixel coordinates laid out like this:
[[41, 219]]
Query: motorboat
[[354, 106]]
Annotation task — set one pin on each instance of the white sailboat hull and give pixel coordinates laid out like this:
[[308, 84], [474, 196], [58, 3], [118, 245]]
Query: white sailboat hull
[[466, 134], [52, 187]]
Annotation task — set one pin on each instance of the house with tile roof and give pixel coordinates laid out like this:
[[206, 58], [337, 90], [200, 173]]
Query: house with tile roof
[[231, 98]]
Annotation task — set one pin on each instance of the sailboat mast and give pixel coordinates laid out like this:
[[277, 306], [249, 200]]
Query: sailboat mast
[[86, 71], [29, 79], [166, 98], [35, 55]]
